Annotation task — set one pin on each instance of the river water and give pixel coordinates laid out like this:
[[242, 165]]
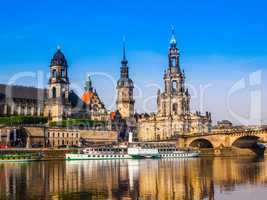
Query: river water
[[183, 179]]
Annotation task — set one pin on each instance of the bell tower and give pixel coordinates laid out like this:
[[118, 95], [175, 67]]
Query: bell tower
[[125, 101], [58, 104], [175, 99]]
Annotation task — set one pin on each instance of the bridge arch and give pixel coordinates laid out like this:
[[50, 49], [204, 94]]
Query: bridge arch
[[247, 141], [201, 143]]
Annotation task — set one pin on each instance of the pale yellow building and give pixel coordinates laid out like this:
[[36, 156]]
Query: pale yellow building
[[125, 86], [173, 117]]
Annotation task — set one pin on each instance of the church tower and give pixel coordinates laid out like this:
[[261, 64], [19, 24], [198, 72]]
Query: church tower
[[58, 104], [175, 99], [125, 101]]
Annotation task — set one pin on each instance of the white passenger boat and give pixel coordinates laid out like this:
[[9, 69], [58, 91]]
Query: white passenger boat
[[139, 152], [131, 152], [176, 153], [99, 153]]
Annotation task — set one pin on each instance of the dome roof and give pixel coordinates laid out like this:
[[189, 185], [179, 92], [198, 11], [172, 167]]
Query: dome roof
[[58, 59]]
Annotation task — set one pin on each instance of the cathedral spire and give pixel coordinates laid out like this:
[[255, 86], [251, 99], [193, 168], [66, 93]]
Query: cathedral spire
[[88, 84], [173, 38], [174, 52], [125, 86], [124, 61]]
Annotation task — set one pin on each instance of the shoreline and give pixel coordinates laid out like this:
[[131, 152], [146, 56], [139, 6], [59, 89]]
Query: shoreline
[[59, 154]]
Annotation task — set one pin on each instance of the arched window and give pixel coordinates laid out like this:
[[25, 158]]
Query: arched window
[[54, 73], [54, 92], [173, 60], [174, 108], [164, 109], [174, 86], [8, 109]]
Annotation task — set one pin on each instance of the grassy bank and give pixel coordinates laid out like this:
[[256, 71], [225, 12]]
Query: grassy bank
[[49, 154]]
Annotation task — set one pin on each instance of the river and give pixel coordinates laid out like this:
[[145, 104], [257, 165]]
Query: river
[[183, 179]]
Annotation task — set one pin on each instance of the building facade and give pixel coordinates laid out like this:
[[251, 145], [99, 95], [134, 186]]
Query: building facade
[[125, 87], [58, 102], [93, 106], [21, 100], [173, 117], [57, 105], [57, 137]]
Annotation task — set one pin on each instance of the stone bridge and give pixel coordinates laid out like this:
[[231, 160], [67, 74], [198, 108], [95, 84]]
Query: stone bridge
[[225, 138]]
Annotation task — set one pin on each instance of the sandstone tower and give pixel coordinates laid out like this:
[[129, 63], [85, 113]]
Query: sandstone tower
[[173, 117], [125, 101], [58, 105], [175, 99]]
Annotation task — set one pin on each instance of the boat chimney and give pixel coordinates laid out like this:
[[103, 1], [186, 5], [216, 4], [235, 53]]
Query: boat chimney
[[130, 139]]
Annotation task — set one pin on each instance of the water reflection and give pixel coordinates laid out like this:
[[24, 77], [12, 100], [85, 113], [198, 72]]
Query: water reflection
[[191, 179]]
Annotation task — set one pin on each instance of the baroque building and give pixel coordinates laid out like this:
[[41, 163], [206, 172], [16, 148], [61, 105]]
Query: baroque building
[[58, 105], [125, 86], [21, 100], [57, 101], [173, 117], [94, 107]]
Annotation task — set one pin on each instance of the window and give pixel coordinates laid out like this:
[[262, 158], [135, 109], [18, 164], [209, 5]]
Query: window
[[174, 86], [173, 60], [174, 108], [54, 92], [54, 73], [63, 72], [163, 108]]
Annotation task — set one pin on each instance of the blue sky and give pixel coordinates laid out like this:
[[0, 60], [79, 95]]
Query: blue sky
[[221, 42]]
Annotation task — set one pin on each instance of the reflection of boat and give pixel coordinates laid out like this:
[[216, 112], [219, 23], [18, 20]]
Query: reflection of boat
[[23, 157]]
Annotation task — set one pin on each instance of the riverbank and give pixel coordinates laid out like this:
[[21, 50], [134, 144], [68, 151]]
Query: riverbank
[[48, 154], [227, 152], [59, 154]]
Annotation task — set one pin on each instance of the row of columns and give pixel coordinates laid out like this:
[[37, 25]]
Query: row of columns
[[8, 133], [29, 109]]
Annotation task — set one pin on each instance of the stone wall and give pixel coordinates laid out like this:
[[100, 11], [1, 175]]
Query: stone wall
[[99, 135], [55, 137]]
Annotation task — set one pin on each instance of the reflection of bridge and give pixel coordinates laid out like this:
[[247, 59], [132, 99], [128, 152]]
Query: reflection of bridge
[[225, 138]]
